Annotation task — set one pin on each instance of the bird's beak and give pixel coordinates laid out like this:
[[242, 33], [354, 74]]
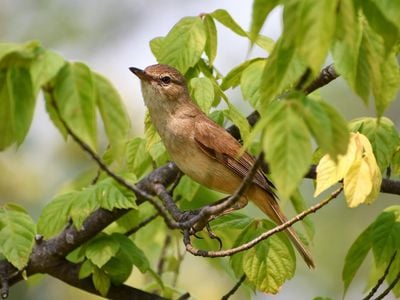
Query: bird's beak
[[140, 73]]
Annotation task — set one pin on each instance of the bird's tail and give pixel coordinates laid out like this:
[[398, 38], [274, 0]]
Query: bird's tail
[[268, 204]]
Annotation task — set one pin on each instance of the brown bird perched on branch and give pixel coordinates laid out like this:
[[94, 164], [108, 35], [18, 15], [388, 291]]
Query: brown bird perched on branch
[[202, 149]]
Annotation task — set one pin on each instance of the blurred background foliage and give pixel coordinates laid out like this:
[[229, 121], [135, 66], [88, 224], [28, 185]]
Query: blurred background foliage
[[111, 36]]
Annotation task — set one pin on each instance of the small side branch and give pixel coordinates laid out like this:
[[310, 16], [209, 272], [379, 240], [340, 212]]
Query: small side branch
[[382, 279], [265, 235], [234, 289]]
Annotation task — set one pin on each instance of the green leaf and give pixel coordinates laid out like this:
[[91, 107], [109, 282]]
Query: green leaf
[[17, 233], [101, 249], [202, 91], [83, 204], [283, 68], [386, 235], [395, 164], [118, 270], [154, 145], [383, 136], [250, 82], [356, 255], [327, 126], [315, 22], [17, 103], [113, 113], [380, 22], [231, 221], [271, 262], [390, 9], [187, 188], [139, 160], [183, 45], [225, 19], [156, 44], [101, 281], [111, 194], [393, 273], [86, 269], [54, 216], [232, 79], [260, 12], [45, 68], [19, 55], [211, 43], [287, 145], [75, 95], [300, 205], [348, 55], [130, 252]]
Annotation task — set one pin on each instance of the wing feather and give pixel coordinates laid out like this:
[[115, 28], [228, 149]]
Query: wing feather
[[217, 143]]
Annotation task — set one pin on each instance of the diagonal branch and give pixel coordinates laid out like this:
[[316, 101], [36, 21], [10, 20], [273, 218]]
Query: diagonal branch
[[264, 236]]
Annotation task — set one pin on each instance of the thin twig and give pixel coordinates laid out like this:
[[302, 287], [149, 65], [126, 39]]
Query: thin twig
[[265, 235], [389, 288], [382, 279], [235, 288], [161, 261], [141, 224]]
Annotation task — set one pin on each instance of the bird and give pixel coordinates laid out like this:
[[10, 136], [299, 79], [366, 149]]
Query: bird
[[204, 150]]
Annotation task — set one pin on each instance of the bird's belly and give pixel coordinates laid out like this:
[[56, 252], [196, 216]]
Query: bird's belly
[[205, 170]]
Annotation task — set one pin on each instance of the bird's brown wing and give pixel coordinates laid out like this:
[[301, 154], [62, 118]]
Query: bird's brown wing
[[217, 143]]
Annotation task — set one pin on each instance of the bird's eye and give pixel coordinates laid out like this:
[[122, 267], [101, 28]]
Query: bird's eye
[[166, 79]]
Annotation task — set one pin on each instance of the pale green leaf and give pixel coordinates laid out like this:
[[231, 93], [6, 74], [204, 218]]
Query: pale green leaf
[[327, 126], [283, 68], [17, 236], [380, 22], [138, 159], [183, 45], [86, 269], [202, 91], [315, 22], [155, 45], [55, 215], [45, 68], [260, 11], [271, 262], [101, 281], [74, 93], [111, 194], [250, 82], [225, 19], [83, 204], [232, 79], [300, 205], [211, 43], [113, 113], [287, 145], [101, 249]]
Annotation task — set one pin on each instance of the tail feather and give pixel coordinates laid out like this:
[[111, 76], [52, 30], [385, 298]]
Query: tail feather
[[270, 207]]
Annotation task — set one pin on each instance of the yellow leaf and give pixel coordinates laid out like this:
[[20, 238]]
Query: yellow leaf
[[357, 183], [375, 172], [330, 172], [363, 181]]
